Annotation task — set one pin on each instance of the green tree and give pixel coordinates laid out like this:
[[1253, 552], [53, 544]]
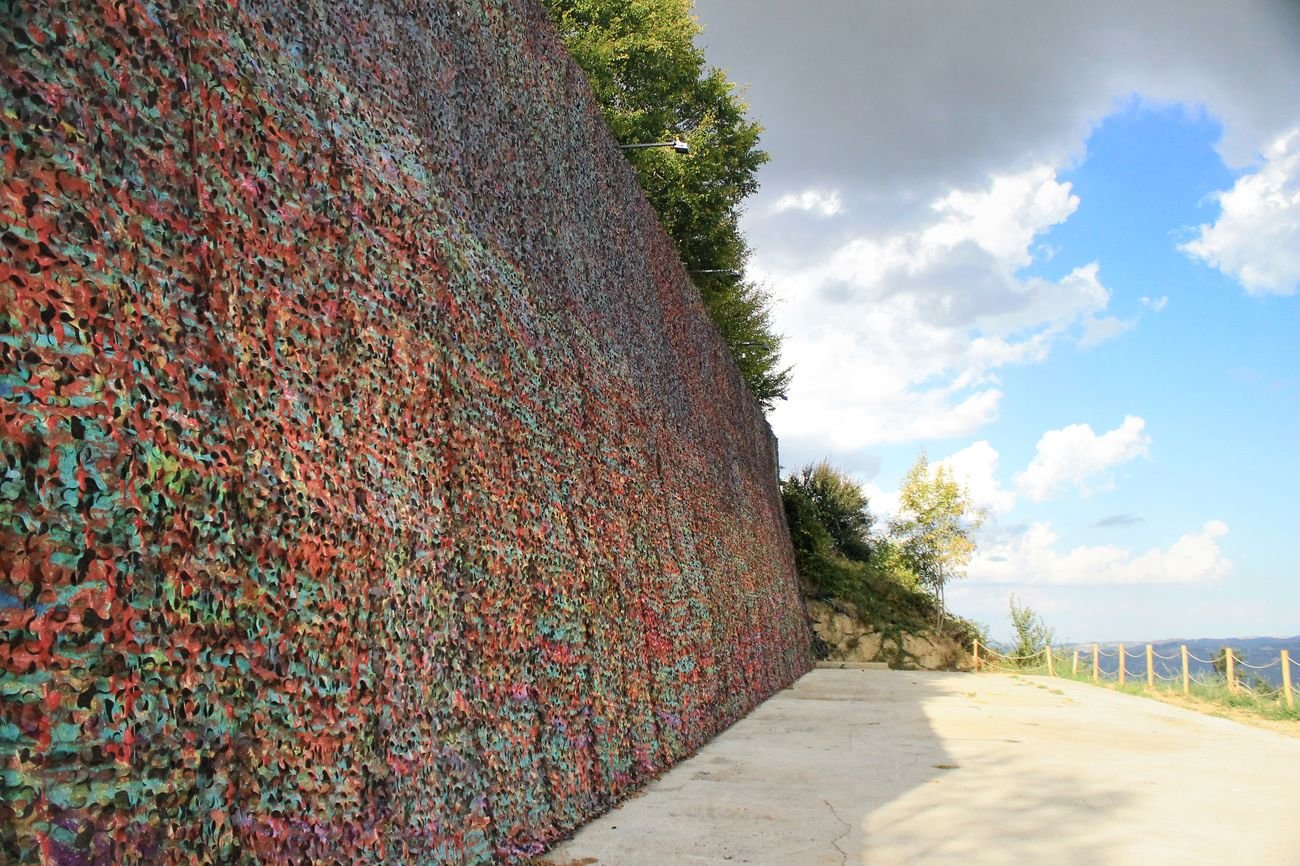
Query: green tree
[[1220, 663], [743, 315], [888, 558], [1032, 634], [839, 504], [935, 527], [824, 570], [653, 84]]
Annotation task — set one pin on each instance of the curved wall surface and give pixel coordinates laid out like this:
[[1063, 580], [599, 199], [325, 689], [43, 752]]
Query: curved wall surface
[[375, 487]]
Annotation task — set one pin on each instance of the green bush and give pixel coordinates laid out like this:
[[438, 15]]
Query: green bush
[[824, 572]]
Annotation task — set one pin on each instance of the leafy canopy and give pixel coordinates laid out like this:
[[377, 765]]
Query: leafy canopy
[[839, 505], [935, 525], [652, 84]]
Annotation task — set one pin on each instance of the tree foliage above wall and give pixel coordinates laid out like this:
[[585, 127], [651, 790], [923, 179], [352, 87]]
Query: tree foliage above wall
[[653, 84]]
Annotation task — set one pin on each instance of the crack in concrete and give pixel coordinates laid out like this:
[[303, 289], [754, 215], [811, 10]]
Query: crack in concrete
[[844, 855]]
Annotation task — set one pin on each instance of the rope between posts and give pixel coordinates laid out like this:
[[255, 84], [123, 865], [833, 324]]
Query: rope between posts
[[1136, 654], [1167, 658], [1259, 667], [1201, 660], [1012, 658]]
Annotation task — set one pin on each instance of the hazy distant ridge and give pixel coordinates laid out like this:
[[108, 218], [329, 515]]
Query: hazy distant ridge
[[1257, 651]]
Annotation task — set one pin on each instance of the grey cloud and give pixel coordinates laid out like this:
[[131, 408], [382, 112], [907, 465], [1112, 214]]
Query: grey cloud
[[1117, 521], [993, 534], [797, 452], [792, 238], [963, 287], [908, 98], [838, 292], [862, 465]]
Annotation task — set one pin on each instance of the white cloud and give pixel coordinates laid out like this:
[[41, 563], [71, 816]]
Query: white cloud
[[1084, 453], [1031, 557], [1256, 239], [1073, 455], [1155, 305], [1003, 219], [976, 468], [826, 204], [898, 335], [1099, 329], [883, 503]]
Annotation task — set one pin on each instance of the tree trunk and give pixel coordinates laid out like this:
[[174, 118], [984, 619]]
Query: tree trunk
[[938, 625]]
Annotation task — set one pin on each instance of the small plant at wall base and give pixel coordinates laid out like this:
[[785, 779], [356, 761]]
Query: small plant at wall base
[[1032, 634]]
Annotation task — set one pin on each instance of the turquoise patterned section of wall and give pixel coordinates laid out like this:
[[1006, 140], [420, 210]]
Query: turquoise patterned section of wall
[[375, 488]]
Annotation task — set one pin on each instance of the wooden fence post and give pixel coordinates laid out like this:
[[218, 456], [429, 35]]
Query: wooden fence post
[[1121, 664], [1051, 667], [1286, 679], [1075, 670], [977, 655], [1230, 659], [1187, 677], [1096, 663], [1151, 668]]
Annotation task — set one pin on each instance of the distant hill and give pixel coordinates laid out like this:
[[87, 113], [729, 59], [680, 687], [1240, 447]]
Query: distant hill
[[1261, 652]]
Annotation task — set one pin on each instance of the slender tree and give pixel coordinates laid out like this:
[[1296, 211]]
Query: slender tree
[[1032, 634], [935, 527]]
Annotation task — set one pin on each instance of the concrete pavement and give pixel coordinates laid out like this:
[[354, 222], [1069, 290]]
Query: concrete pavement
[[892, 767]]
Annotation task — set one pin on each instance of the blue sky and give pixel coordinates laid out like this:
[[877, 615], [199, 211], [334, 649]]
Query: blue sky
[[1066, 267]]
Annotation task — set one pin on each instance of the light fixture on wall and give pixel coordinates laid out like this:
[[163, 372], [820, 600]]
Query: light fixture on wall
[[676, 144]]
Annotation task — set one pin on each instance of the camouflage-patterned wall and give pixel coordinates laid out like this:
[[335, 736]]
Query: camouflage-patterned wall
[[375, 489]]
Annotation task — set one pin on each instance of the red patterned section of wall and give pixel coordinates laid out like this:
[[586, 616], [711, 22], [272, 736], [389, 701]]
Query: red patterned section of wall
[[375, 487]]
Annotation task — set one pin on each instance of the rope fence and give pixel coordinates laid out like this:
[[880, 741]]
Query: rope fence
[[1086, 663]]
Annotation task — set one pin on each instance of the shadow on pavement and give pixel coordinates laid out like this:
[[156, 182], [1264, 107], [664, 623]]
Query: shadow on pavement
[[913, 768], [834, 770]]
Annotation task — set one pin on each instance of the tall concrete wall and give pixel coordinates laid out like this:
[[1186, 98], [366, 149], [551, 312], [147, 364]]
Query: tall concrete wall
[[376, 489]]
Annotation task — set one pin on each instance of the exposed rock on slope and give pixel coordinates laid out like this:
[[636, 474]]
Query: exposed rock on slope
[[848, 638]]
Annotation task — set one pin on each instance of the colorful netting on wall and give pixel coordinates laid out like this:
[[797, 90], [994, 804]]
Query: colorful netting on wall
[[374, 486]]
